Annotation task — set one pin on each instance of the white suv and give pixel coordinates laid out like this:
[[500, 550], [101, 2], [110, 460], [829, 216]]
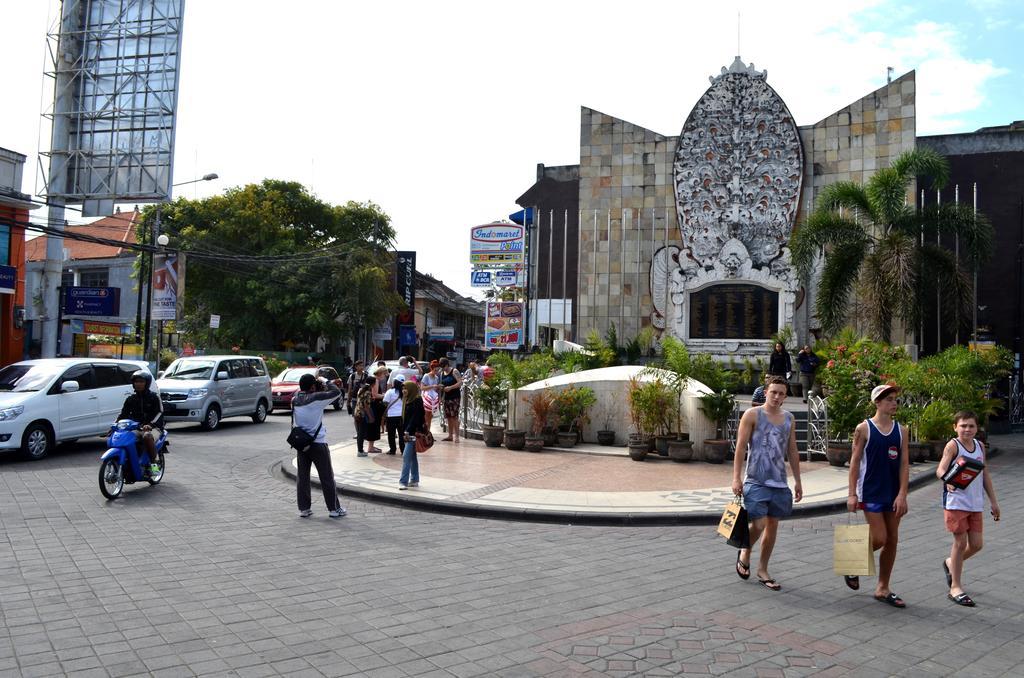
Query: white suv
[[208, 388], [53, 400]]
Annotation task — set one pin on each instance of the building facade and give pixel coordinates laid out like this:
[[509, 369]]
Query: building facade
[[14, 213]]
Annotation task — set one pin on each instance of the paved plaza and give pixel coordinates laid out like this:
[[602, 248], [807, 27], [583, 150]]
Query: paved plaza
[[212, 573]]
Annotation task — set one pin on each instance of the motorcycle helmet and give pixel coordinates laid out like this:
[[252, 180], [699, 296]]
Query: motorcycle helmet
[[144, 376]]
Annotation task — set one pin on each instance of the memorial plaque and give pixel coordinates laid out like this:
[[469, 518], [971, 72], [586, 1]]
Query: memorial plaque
[[731, 311]]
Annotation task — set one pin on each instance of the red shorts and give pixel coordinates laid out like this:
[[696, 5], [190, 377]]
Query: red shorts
[[959, 522]]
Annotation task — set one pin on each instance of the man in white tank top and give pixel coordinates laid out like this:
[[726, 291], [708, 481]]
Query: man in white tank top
[[963, 508]]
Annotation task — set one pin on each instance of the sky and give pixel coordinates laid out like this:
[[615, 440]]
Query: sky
[[439, 112]]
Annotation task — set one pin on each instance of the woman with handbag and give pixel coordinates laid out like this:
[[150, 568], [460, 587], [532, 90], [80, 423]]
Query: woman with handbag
[[413, 425]]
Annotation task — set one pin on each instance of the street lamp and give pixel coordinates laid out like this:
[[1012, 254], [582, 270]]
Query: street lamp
[[161, 240]]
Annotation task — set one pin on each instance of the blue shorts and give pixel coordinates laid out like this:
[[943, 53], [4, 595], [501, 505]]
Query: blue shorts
[[876, 507], [761, 501]]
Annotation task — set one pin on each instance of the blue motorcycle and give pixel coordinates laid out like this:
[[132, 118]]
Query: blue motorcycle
[[123, 463]]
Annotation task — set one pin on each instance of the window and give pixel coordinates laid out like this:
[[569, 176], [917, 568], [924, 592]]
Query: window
[[93, 277], [237, 369], [80, 373], [67, 279], [107, 375], [257, 367], [5, 244], [125, 371]]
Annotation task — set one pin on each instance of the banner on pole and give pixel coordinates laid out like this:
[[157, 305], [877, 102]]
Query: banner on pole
[[503, 325], [165, 286], [497, 244]]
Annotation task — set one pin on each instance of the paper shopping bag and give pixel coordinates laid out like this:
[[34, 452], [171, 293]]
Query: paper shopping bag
[[734, 525], [852, 553]]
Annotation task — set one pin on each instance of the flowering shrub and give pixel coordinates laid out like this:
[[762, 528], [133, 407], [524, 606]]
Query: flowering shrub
[[854, 366]]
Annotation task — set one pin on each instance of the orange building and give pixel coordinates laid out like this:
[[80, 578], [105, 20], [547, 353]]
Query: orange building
[[14, 209]]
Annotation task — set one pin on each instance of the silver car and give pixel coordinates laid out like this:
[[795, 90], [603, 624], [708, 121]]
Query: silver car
[[206, 389]]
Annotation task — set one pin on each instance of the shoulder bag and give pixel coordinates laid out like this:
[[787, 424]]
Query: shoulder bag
[[299, 439]]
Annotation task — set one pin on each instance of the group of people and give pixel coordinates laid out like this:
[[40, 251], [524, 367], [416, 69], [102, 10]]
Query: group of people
[[781, 365], [398, 403], [878, 484]]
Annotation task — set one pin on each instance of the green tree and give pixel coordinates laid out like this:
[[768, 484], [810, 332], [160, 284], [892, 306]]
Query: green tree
[[279, 264], [872, 243]]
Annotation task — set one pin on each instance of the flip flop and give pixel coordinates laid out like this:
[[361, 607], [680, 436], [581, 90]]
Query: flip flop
[[745, 566], [770, 584], [949, 576], [891, 599], [961, 599], [853, 581]]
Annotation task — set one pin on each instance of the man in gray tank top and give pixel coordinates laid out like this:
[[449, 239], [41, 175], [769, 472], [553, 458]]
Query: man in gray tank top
[[770, 433]]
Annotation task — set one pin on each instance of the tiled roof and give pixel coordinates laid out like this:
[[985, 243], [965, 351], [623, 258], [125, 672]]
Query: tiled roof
[[119, 227]]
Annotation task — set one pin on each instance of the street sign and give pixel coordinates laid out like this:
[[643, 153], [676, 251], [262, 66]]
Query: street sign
[[480, 279], [8, 279], [441, 332], [214, 322], [497, 244], [93, 301]]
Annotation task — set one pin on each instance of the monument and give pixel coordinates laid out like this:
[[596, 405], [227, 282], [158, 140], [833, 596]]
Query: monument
[[689, 234]]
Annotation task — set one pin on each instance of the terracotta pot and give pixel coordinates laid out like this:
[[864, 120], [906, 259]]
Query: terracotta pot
[[637, 439], [680, 450], [515, 440], [534, 443], [567, 438], [715, 451], [638, 452], [838, 453], [493, 435], [661, 444], [606, 438], [682, 435]]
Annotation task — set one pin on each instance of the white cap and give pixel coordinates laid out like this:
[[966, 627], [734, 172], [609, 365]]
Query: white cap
[[883, 390], [399, 378]]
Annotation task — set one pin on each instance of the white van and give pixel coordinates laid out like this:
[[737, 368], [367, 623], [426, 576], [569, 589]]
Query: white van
[[53, 400], [207, 388]]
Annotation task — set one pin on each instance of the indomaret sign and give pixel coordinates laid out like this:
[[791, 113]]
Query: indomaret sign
[[497, 244]]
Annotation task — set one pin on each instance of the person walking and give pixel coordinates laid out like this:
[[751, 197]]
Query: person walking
[[451, 388], [771, 435], [412, 423], [963, 509], [779, 363], [393, 403], [367, 424], [430, 387], [356, 379], [808, 362], [308, 414], [878, 485], [381, 376]]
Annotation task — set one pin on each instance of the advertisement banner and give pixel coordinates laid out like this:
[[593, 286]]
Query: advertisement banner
[[508, 278], [441, 332], [93, 301], [8, 279], [405, 285], [79, 326], [503, 325], [382, 333], [165, 287], [480, 278], [497, 244], [407, 335]]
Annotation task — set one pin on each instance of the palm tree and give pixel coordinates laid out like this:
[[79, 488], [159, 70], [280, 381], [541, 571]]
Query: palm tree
[[876, 243]]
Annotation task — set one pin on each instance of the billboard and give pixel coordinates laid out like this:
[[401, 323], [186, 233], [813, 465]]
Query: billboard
[[92, 301], [497, 244], [503, 325], [114, 70], [405, 285], [168, 285]]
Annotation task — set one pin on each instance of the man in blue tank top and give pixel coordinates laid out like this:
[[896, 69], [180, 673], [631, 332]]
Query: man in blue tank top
[[771, 435], [879, 479]]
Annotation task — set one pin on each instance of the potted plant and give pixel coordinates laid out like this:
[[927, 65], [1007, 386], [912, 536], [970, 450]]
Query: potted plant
[[718, 407], [492, 399], [572, 406], [606, 436], [513, 374], [540, 408], [935, 425], [637, 439]]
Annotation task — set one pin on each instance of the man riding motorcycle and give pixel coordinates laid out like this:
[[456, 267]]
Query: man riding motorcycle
[[145, 407]]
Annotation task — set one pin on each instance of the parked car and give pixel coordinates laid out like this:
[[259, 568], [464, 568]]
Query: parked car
[[208, 388], [286, 385], [53, 400]]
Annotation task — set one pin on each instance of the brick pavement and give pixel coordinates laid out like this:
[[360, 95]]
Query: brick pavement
[[211, 573]]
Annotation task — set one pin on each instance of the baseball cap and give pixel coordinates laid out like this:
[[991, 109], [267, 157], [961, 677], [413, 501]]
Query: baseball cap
[[883, 390], [400, 377]]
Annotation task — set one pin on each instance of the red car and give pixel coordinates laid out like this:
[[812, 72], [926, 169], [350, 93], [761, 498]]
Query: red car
[[284, 386]]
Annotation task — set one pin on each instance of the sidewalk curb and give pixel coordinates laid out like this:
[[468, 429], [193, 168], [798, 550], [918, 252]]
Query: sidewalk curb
[[415, 502]]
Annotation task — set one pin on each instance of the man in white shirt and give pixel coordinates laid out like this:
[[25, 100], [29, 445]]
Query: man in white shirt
[[407, 372], [308, 414]]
